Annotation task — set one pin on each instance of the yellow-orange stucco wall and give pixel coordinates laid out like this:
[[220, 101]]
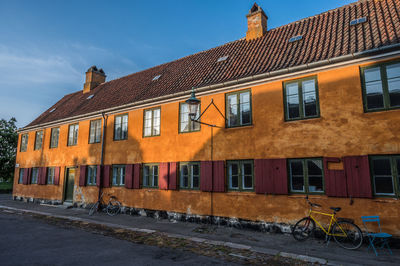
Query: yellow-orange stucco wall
[[342, 129]]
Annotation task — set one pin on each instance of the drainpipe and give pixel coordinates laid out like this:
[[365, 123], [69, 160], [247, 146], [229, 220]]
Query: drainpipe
[[103, 137]]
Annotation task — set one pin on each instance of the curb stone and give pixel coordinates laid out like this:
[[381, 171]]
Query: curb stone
[[195, 239]]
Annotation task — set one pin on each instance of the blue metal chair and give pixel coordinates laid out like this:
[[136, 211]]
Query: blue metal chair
[[379, 238]]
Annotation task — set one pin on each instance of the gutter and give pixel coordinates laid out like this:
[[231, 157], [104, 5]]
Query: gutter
[[375, 53], [103, 138]]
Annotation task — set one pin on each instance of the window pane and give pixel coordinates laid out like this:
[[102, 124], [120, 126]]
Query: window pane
[[374, 94], [115, 174], [122, 176], [184, 117], [245, 113], [195, 182], [148, 114], [393, 71], [373, 86], [234, 175], [382, 166], [398, 173], [155, 175], [248, 181], [314, 167], [372, 74], [147, 131], [394, 91], [157, 113], [146, 172], [296, 178], [383, 179], [76, 134], [232, 110], [247, 169], [124, 131], [21, 176], [309, 98], [383, 185], [98, 131], [195, 169], [184, 176], [292, 99]]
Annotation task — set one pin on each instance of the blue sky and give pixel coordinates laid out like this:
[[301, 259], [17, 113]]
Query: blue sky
[[46, 46]]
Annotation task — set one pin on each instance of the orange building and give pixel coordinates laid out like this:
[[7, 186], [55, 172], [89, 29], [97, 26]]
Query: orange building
[[309, 108]]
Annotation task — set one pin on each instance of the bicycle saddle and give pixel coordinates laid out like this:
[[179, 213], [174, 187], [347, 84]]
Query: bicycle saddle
[[335, 209]]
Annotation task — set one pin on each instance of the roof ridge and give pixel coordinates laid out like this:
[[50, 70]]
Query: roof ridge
[[320, 14]]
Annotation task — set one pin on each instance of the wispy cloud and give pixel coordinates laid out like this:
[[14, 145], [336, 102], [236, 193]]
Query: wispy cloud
[[33, 78]]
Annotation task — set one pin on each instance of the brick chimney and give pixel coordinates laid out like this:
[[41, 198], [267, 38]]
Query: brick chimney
[[94, 77], [256, 23]]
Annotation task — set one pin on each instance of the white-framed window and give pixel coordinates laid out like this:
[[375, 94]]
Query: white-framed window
[[152, 121], [118, 175]]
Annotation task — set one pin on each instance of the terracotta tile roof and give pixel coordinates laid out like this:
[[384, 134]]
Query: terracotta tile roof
[[325, 36]]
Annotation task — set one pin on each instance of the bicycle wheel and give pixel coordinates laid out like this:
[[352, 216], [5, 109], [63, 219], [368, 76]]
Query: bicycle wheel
[[94, 208], [347, 235], [113, 207], [303, 229]]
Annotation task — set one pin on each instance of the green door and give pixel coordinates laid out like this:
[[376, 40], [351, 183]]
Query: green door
[[69, 185]]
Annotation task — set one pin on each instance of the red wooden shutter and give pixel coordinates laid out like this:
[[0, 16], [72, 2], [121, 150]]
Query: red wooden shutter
[[57, 175], [25, 176], [129, 176], [82, 176], [218, 176], [42, 176], [358, 176], [335, 180], [106, 175], [173, 170], [98, 175], [271, 176], [163, 177], [136, 175], [206, 176], [260, 177]]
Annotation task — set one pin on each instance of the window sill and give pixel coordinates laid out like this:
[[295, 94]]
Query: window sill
[[303, 119], [240, 127], [380, 111]]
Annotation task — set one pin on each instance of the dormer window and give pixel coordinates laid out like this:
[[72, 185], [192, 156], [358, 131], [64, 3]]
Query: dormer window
[[223, 58], [358, 21], [296, 38], [156, 77]]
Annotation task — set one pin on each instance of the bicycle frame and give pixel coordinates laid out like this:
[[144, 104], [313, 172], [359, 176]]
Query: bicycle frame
[[331, 223]]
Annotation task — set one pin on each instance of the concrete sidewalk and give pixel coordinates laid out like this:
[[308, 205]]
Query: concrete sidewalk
[[312, 250]]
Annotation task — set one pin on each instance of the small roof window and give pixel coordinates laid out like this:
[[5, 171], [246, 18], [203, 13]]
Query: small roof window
[[52, 110], [358, 21], [222, 58], [156, 77], [90, 97], [296, 38]]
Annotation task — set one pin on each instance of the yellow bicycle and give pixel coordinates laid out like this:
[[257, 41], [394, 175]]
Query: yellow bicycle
[[347, 234]]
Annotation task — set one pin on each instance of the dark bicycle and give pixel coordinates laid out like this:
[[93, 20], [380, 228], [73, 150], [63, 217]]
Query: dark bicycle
[[112, 208]]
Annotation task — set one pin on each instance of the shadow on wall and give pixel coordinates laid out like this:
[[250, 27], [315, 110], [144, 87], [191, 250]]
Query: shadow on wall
[[115, 152]]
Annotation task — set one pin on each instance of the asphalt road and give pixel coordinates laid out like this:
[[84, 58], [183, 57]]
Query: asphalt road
[[27, 241]]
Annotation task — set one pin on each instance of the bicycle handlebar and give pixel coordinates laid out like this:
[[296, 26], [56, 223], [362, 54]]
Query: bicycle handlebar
[[312, 204]]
